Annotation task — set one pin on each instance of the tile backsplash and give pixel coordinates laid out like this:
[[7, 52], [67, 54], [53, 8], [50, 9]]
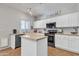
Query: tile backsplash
[[78, 30], [68, 30], [65, 30], [40, 30]]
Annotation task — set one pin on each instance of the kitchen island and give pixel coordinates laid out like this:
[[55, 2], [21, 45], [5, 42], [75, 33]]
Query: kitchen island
[[34, 44]]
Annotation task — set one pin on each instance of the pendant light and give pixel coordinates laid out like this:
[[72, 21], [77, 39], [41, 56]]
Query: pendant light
[[29, 11]]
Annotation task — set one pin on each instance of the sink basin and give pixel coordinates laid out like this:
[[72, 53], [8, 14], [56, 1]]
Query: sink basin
[[21, 34], [74, 32]]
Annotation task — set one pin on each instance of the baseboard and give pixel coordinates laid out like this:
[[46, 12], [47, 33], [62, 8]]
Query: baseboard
[[2, 48], [68, 50]]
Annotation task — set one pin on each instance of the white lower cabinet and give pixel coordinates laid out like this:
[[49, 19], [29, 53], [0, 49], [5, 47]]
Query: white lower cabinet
[[3, 42], [30, 47], [77, 44], [64, 41], [70, 43], [61, 41], [58, 41], [13, 41], [74, 44]]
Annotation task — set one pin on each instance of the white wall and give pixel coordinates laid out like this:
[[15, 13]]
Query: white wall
[[9, 20]]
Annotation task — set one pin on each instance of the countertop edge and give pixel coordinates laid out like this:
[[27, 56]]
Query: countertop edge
[[67, 34], [34, 39]]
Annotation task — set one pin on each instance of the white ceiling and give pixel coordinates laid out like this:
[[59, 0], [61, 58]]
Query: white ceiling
[[43, 9]]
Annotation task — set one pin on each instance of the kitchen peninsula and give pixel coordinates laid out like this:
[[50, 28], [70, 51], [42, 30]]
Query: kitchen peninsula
[[34, 44]]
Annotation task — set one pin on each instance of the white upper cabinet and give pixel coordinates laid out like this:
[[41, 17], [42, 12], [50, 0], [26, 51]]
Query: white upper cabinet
[[68, 20], [36, 24], [40, 24], [73, 19]]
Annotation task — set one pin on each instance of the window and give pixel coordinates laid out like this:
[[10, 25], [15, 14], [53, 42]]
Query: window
[[25, 26]]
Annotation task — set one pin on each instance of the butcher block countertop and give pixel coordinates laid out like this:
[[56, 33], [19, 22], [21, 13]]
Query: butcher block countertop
[[34, 36], [67, 34]]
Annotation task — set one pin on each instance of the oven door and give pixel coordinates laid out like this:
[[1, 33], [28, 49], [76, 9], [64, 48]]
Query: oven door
[[51, 39]]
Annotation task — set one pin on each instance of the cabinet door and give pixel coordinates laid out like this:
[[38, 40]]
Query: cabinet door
[[4, 42], [0, 42], [73, 19], [68, 20], [77, 44], [36, 24], [13, 41], [42, 24], [59, 22], [71, 42], [78, 20], [61, 41], [74, 44], [64, 42], [57, 41], [62, 21]]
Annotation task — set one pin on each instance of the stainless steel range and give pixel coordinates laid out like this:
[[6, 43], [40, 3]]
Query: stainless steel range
[[51, 30]]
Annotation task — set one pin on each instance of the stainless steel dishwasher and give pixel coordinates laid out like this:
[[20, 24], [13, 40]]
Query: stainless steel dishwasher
[[17, 41]]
